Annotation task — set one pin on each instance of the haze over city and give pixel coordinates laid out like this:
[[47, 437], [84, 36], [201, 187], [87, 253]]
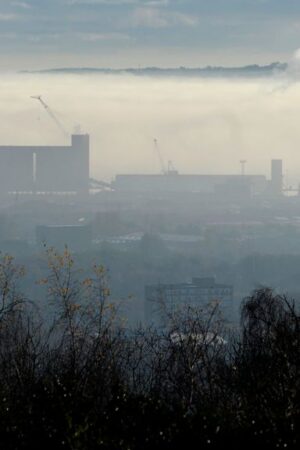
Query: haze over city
[[202, 125], [149, 224]]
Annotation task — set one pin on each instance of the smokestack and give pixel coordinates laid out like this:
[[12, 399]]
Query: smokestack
[[276, 177]]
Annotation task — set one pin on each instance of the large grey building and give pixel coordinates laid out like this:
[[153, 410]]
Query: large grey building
[[221, 185], [162, 299], [46, 169], [205, 184]]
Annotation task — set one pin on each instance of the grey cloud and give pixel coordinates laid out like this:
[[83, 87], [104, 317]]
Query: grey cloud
[[7, 17], [22, 5], [156, 18], [95, 37], [120, 2], [250, 28]]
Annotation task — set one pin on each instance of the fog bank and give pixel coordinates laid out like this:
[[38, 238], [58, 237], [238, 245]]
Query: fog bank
[[202, 125]]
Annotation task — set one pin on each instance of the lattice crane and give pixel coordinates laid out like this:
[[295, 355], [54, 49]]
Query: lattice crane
[[51, 114]]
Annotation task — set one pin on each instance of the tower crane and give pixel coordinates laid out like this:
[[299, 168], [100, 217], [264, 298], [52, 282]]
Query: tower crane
[[51, 114], [165, 170], [162, 163]]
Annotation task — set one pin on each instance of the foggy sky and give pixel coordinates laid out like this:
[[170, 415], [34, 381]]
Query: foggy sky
[[122, 33], [203, 126]]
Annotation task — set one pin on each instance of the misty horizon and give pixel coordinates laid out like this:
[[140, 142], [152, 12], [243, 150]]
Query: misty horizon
[[203, 125]]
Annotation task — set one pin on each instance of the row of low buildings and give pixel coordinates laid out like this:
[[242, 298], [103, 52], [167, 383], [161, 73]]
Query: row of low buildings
[[53, 169]]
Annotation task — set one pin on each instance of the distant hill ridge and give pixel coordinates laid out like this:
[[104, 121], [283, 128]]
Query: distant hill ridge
[[253, 70]]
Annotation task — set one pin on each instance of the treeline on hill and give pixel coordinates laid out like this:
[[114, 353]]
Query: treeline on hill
[[77, 379]]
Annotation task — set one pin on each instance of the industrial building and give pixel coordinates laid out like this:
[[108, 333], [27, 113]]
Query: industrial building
[[186, 183], [46, 169], [161, 299], [219, 185], [65, 169]]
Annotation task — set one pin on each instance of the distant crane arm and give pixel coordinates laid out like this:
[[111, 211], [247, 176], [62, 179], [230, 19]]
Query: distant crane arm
[[51, 114]]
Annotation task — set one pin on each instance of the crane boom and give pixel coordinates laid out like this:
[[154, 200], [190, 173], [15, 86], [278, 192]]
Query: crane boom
[[51, 114]]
